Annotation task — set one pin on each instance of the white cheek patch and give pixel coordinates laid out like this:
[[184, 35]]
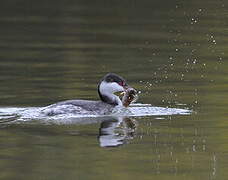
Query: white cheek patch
[[110, 88]]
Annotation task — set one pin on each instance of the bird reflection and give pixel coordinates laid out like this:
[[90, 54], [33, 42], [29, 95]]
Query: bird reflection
[[116, 131]]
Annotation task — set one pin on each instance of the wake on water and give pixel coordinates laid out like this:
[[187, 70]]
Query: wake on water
[[19, 115]]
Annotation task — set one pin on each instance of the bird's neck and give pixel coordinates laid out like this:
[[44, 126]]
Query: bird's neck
[[111, 99], [108, 96]]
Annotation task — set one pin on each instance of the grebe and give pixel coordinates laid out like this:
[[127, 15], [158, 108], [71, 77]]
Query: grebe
[[109, 84]]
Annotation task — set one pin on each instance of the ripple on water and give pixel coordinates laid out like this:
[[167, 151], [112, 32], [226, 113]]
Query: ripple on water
[[12, 114]]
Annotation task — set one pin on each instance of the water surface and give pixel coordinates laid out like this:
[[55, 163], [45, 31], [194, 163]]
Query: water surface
[[174, 52]]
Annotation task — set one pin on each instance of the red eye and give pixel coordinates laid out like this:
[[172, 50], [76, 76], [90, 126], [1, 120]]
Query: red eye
[[121, 83]]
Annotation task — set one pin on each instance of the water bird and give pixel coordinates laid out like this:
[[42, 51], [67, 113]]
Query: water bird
[[110, 84]]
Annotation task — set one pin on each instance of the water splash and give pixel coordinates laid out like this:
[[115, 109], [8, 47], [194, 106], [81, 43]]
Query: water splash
[[17, 115]]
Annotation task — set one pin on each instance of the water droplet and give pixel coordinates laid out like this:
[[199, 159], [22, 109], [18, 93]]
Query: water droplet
[[204, 147], [193, 20], [194, 148]]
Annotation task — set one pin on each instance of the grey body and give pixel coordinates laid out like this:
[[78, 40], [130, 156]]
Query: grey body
[[81, 107]]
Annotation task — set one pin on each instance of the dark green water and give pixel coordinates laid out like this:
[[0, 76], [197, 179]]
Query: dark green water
[[175, 52]]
